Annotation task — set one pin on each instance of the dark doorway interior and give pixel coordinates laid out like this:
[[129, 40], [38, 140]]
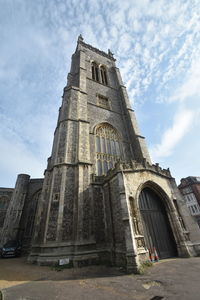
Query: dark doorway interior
[[156, 225]]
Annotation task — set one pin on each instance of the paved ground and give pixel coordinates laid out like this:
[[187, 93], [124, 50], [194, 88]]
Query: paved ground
[[169, 279]]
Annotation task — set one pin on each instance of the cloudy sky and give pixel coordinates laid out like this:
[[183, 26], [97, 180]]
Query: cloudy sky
[[157, 47]]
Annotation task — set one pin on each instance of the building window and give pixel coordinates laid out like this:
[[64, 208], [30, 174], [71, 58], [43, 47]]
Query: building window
[[103, 75], [108, 148], [187, 190], [56, 197], [195, 208], [192, 209], [95, 72], [99, 74], [187, 199], [103, 102]]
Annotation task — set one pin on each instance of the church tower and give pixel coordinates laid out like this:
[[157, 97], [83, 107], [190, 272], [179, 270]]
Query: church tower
[[102, 199]]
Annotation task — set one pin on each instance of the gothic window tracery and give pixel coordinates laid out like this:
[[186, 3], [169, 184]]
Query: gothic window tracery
[[108, 148]]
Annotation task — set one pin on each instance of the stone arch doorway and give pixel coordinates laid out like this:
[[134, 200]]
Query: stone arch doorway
[[157, 229]]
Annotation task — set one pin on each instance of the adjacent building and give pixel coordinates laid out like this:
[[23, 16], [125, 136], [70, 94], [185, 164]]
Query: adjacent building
[[190, 189], [102, 200]]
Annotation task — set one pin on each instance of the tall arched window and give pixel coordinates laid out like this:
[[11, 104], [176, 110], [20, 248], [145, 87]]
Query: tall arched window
[[108, 148], [95, 72], [103, 75]]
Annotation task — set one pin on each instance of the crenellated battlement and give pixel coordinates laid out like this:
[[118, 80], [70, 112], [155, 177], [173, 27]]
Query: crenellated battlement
[[132, 166], [108, 55]]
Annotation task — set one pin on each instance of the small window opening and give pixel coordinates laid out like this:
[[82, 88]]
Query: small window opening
[[103, 76], [103, 102], [95, 72]]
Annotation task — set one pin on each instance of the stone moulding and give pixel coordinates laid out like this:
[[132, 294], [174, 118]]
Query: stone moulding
[[97, 50], [132, 166]]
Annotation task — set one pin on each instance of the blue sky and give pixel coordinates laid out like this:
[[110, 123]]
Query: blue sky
[[157, 47]]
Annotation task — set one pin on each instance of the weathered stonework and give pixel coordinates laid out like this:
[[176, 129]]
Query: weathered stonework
[[98, 219], [19, 218], [5, 197]]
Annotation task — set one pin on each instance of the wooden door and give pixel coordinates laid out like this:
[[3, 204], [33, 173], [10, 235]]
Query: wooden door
[[156, 225]]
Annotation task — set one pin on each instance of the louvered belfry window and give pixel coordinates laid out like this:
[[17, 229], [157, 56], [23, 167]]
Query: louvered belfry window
[[108, 148], [99, 74], [103, 76], [95, 72]]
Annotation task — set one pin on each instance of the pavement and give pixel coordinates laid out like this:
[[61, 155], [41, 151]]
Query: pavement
[[168, 279]]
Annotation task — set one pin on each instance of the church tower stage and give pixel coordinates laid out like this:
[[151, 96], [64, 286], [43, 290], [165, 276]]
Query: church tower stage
[[102, 200]]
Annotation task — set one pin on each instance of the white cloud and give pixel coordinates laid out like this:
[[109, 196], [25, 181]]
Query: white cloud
[[190, 87], [137, 25], [17, 156], [172, 136]]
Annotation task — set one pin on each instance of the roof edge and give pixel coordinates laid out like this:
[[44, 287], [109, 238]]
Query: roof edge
[[109, 55]]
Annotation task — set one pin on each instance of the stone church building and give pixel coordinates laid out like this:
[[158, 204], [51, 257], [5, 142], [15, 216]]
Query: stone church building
[[101, 199]]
